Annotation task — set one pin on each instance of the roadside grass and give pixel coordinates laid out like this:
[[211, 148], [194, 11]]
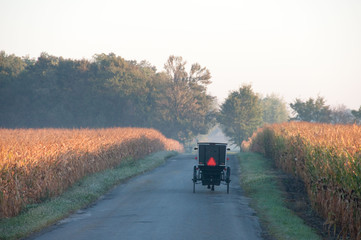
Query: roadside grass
[[259, 180], [84, 192]]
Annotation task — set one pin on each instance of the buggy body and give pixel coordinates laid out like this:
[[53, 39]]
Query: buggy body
[[212, 169]]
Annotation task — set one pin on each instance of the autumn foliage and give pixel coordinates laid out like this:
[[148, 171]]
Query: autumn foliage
[[36, 164], [328, 159]]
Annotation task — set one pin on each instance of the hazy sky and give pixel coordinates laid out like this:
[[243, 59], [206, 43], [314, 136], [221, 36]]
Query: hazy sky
[[297, 49]]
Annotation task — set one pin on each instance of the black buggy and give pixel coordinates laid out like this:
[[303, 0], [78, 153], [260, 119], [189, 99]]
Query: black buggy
[[212, 166]]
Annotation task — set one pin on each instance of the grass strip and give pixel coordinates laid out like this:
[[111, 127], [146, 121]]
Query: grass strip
[[84, 192], [260, 182]]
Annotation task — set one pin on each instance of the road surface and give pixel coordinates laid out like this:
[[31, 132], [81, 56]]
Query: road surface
[[161, 205]]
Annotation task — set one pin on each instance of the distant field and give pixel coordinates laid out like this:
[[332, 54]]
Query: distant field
[[328, 159], [36, 164]]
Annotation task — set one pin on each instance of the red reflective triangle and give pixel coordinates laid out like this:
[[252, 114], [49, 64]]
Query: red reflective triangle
[[211, 162]]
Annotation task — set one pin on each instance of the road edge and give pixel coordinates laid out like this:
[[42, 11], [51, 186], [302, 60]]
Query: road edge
[[260, 182], [83, 193]]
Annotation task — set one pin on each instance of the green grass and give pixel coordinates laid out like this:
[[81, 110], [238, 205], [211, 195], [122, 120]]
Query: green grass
[[259, 180], [38, 216]]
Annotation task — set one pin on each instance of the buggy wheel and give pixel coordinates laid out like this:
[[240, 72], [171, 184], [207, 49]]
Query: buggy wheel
[[228, 178], [194, 178]]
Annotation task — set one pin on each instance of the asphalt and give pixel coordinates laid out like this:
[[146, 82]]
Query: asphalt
[[161, 205]]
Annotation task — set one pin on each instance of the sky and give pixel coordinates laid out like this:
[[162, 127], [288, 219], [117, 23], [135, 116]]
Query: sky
[[295, 49]]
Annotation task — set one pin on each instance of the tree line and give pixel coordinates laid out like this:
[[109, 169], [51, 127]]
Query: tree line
[[109, 91], [244, 111], [316, 110], [106, 91]]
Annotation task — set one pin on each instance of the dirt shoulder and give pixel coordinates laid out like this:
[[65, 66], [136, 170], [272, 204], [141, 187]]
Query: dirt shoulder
[[297, 200]]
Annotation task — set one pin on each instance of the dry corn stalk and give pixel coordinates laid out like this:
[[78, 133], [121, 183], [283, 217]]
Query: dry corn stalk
[[328, 159], [36, 164]]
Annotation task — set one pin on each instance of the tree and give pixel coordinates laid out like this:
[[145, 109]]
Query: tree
[[274, 109], [357, 115], [240, 115], [175, 68], [11, 68], [341, 115], [180, 114], [107, 91], [311, 110], [184, 108]]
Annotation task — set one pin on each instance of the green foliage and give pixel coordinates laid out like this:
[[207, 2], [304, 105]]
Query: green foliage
[[311, 110], [357, 115], [107, 91], [342, 115], [184, 108], [240, 114], [175, 68], [274, 109], [315, 110], [261, 182]]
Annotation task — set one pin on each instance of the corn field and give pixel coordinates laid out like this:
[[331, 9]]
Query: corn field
[[328, 159], [36, 164]]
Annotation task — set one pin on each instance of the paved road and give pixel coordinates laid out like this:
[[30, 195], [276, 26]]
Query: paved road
[[161, 205]]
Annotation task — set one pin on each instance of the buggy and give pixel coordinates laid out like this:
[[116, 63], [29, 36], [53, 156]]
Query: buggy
[[212, 166]]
